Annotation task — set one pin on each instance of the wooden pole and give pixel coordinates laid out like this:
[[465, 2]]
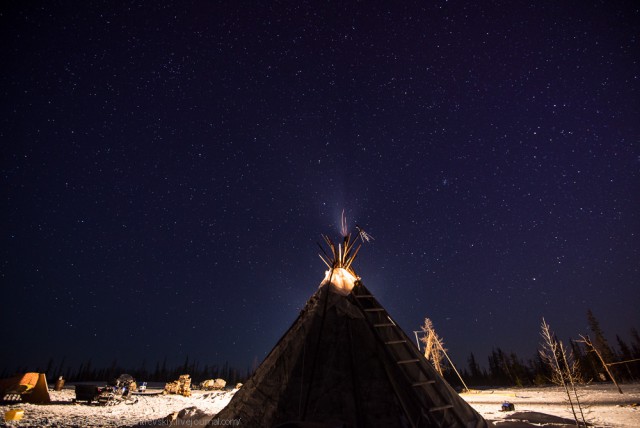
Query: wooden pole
[[606, 367], [466, 388], [587, 342], [623, 362]]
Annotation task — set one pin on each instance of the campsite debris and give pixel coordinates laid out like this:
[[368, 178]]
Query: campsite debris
[[190, 416], [169, 418], [120, 391], [213, 384], [507, 407], [59, 384], [13, 415], [182, 386]]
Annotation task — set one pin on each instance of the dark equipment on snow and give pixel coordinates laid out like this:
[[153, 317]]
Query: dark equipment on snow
[[119, 391], [507, 407], [87, 393]]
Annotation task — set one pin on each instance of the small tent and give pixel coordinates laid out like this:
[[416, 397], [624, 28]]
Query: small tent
[[29, 387], [345, 363]]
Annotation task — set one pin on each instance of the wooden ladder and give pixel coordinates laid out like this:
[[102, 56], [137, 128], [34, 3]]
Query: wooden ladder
[[435, 406]]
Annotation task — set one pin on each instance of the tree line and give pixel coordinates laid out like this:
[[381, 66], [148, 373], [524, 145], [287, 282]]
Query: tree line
[[508, 369], [161, 372], [504, 368]]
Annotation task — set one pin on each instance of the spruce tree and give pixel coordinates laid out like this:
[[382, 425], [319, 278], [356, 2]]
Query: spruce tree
[[625, 351], [630, 369], [599, 341], [635, 346], [474, 369]]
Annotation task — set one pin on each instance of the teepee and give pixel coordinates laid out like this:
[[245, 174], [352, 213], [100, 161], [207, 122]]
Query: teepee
[[345, 363]]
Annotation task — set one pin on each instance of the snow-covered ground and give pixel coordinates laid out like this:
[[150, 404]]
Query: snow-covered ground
[[63, 412], [605, 407]]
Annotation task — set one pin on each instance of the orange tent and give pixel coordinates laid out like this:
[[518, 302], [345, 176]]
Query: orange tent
[[31, 387]]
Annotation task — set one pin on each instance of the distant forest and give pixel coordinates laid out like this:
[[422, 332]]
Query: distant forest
[[161, 373], [508, 369], [504, 368]]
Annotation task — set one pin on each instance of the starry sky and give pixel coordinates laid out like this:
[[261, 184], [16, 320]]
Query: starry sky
[[168, 168]]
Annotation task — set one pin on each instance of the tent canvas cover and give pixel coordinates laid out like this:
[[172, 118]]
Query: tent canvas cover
[[345, 363], [336, 367]]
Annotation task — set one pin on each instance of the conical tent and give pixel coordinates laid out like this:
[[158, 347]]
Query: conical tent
[[345, 362]]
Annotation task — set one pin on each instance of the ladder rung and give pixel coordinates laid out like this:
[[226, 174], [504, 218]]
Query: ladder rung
[[437, 409], [374, 310], [426, 382], [413, 360], [384, 325], [395, 342]]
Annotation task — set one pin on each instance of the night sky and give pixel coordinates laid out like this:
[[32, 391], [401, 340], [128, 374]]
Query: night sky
[[168, 168]]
